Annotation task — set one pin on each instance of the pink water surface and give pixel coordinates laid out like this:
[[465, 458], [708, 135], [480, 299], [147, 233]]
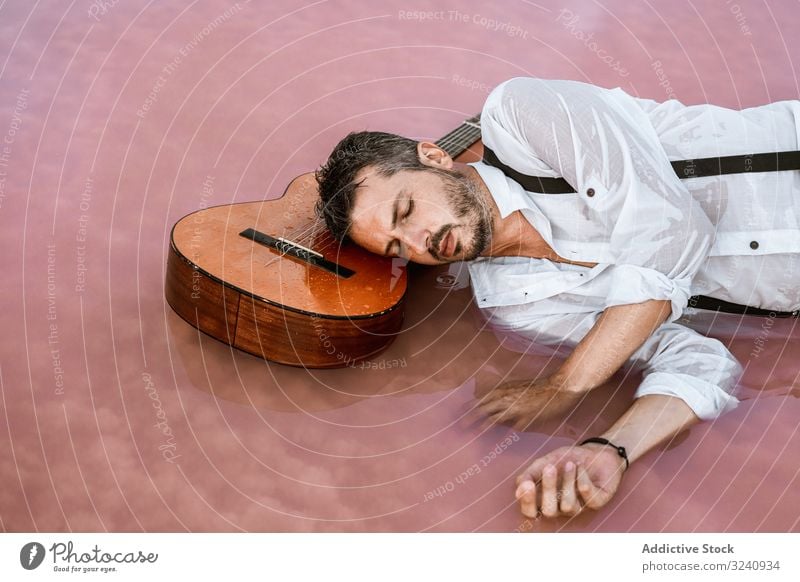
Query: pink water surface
[[114, 115]]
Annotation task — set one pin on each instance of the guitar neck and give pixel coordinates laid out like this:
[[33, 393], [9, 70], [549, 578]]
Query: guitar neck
[[458, 141]]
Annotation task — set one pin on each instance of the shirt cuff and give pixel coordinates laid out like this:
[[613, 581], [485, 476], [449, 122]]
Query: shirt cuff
[[635, 284], [708, 401]]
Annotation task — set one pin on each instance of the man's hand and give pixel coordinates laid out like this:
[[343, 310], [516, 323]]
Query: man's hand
[[589, 475], [522, 402], [568, 479]]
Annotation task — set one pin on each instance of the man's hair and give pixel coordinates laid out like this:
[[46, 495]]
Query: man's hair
[[386, 152]]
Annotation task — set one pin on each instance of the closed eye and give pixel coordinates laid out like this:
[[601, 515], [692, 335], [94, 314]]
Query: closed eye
[[393, 249], [396, 253], [410, 208]]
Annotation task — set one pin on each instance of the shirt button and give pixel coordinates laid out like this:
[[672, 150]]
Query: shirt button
[[590, 192], [753, 244]]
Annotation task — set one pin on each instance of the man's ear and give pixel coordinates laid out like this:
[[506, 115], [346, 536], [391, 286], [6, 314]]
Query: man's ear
[[432, 155]]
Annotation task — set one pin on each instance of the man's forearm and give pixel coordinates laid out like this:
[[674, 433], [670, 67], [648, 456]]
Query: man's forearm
[[650, 421], [616, 335]]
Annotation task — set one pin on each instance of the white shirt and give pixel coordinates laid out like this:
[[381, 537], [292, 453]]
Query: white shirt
[[654, 236]]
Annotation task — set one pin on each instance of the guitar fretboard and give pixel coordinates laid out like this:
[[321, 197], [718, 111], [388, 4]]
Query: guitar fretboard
[[457, 141]]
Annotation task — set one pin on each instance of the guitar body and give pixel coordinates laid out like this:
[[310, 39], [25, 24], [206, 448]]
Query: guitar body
[[322, 305], [276, 306]]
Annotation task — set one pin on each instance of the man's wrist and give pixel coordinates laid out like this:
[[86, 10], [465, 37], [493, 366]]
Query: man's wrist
[[611, 448], [623, 438]]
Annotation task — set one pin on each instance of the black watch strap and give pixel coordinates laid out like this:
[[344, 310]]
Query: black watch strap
[[620, 450]]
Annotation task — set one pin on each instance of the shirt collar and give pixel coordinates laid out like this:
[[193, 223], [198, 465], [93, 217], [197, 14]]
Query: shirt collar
[[510, 196], [497, 183]]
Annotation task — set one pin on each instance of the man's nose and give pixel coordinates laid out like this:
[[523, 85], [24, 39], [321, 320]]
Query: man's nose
[[418, 241]]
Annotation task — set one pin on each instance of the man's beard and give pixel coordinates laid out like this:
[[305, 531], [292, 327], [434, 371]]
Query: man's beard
[[466, 201]]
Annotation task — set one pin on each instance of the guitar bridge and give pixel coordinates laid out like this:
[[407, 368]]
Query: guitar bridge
[[285, 247]]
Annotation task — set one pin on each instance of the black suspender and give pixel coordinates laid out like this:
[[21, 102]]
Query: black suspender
[[761, 162], [712, 304], [701, 167]]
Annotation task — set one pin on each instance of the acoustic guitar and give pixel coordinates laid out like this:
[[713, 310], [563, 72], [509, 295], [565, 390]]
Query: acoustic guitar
[[268, 278]]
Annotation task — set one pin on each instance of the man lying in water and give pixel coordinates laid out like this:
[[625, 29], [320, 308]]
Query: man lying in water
[[605, 270]]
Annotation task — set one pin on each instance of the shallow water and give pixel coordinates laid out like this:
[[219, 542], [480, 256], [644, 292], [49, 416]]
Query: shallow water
[[120, 120]]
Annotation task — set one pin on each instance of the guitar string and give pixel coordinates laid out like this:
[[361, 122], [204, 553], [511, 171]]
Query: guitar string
[[461, 132], [452, 139]]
